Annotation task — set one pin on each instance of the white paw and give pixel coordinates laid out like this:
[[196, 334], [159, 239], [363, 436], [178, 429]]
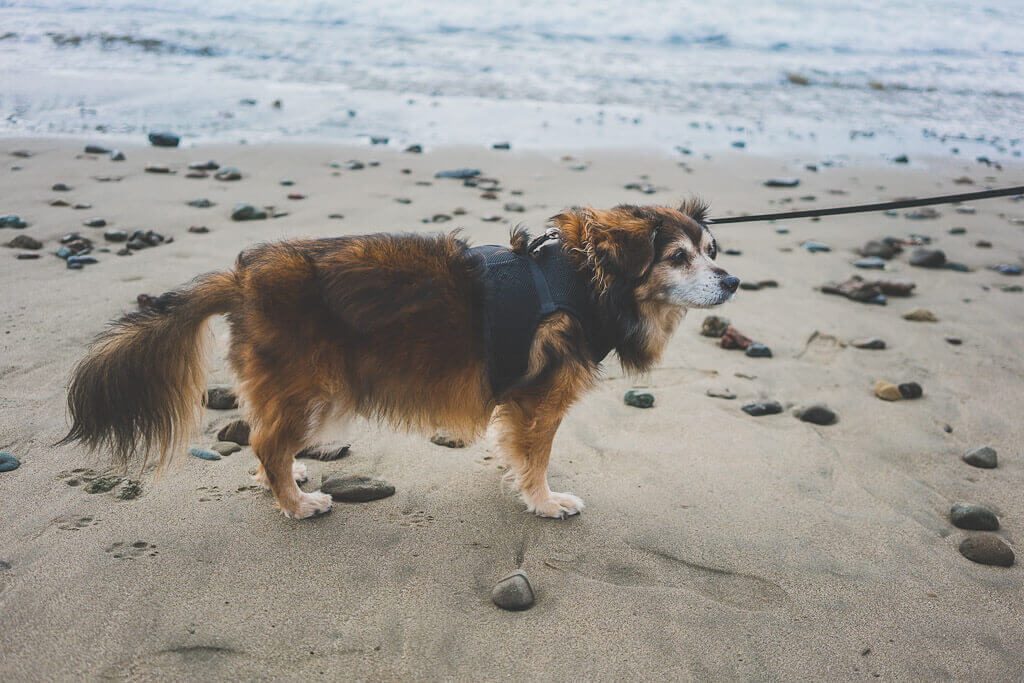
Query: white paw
[[556, 505], [299, 472], [308, 505]]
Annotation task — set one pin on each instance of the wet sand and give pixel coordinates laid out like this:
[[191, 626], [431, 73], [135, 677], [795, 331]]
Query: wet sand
[[714, 544]]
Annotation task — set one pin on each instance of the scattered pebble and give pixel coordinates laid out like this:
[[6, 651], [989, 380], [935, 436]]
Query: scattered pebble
[[458, 174], [983, 244], [869, 291], [1007, 269], [921, 315], [157, 168], [117, 155], [94, 222], [782, 182], [356, 489], [762, 408], [200, 203], [414, 149], [12, 221], [198, 229], [714, 326], [515, 207], [247, 212], [164, 139], [814, 247], [102, 484], [130, 489], [501, 145], [115, 235], [721, 393], [447, 440], [61, 187], [24, 242], [873, 343], [203, 454], [924, 213], [734, 339], [757, 350], [887, 391], [237, 431], [987, 549], [910, 390], [225, 447], [982, 456], [973, 517], [8, 462], [639, 399], [297, 195], [869, 262], [27, 256], [957, 231], [221, 397], [928, 258], [879, 249], [228, 173], [204, 166], [816, 413], [96, 149], [354, 165], [513, 592], [955, 341]]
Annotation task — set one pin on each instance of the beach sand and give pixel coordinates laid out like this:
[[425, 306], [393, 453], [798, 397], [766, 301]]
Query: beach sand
[[714, 544]]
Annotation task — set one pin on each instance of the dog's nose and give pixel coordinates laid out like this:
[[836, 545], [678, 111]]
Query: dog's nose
[[731, 283]]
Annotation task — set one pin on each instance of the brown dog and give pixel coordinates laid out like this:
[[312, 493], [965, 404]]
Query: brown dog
[[393, 327]]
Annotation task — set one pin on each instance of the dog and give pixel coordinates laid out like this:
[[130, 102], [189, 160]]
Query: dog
[[389, 327]]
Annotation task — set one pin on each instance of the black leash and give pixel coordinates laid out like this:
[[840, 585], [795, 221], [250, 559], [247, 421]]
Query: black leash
[[879, 206]]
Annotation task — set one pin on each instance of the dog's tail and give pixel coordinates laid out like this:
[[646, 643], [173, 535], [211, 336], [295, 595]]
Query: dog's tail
[[141, 385]]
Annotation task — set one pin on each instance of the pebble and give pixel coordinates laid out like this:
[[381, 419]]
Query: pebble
[[82, 205], [61, 187], [757, 350], [27, 256], [77, 262], [115, 235], [12, 221], [447, 440], [203, 454], [924, 213], [501, 145], [973, 517], [987, 549], [957, 231], [164, 139], [762, 408], [928, 258], [8, 462], [901, 159], [734, 339], [714, 326], [204, 166], [129, 489], [921, 315], [869, 262], [983, 244], [378, 140], [225, 447], [880, 249], [60, 202], [286, 183], [247, 212], [873, 343], [96, 149], [458, 174], [201, 203], [102, 484], [815, 247], [910, 390], [356, 489], [1007, 269], [157, 168], [955, 341], [720, 393], [24, 242], [21, 154], [513, 592], [228, 173], [966, 210], [782, 182], [816, 413], [639, 399], [117, 155], [1012, 289], [199, 229], [197, 174], [299, 195], [414, 149], [887, 391], [221, 397], [237, 431], [515, 207], [982, 456], [94, 222]]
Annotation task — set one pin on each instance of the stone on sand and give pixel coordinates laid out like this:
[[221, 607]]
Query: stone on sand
[[758, 350], [887, 391], [921, 315], [987, 549], [24, 242], [513, 592], [237, 431], [356, 489], [203, 454], [221, 397], [639, 399], [163, 139], [714, 326], [247, 212], [816, 413], [928, 258], [8, 462], [225, 447], [973, 517], [102, 484], [873, 343], [983, 456], [910, 390], [762, 408], [447, 440], [130, 489]]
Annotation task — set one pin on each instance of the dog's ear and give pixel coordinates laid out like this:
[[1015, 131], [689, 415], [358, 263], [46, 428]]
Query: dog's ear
[[696, 208], [615, 242]]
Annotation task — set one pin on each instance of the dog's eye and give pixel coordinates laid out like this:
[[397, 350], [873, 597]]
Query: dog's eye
[[713, 251], [679, 257]]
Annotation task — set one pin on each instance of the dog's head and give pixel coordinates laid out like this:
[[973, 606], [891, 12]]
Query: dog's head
[[664, 255]]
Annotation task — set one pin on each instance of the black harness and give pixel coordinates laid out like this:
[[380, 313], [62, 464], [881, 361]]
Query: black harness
[[520, 291]]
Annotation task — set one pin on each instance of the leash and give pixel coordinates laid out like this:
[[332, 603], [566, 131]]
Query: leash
[[878, 206]]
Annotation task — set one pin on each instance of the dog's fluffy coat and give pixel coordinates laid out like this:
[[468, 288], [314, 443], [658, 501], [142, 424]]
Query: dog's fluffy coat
[[388, 327]]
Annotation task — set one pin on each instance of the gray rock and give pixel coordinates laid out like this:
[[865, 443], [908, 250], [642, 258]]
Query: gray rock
[[94, 222], [911, 390], [117, 155], [782, 182], [8, 462], [157, 168], [129, 489], [164, 139], [236, 430], [817, 413], [25, 242], [873, 343], [879, 248], [200, 203], [501, 145], [983, 456], [221, 397], [102, 484], [12, 221], [204, 166], [513, 592], [228, 173], [225, 447], [61, 187], [639, 399], [115, 235], [458, 174], [714, 326], [720, 393], [757, 350], [248, 212], [356, 489], [203, 454], [96, 149], [515, 207], [813, 247], [27, 255], [762, 408], [870, 262], [973, 517], [928, 258], [987, 549]]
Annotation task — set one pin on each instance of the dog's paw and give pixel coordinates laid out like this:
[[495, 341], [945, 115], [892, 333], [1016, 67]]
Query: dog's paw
[[308, 505], [556, 505]]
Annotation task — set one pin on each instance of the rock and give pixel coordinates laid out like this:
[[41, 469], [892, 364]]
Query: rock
[[816, 413], [513, 592], [117, 155], [96, 149], [12, 221], [198, 229], [869, 262], [762, 408], [814, 247], [414, 149], [957, 231], [228, 173], [458, 174], [201, 203], [879, 249], [77, 262], [82, 205], [873, 343], [955, 341], [983, 244], [501, 145], [714, 326], [22, 154], [987, 549], [27, 256], [203, 454], [204, 166], [440, 218], [782, 182], [734, 339], [1012, 289], [720, 393], [447, 440], [515, 207], [639, 399], [983, 456], [237, 431], [286, 183], [910, 390], [197, 174], [115, 235], [921, 315], [129, 489], [356, 489], [325, 454], [887, 391], [61, 187], [756, 350], [924, 213], [247, 212], [1007, 269], [102, 484], [164, 139], [973, 517], [94, 222], [297, 195], [157, 168], [221, 397], [959, 267], [928, 258], [8, 462], [225, 447], [378, 140], [750, 286], [24, 242], [58, 202]]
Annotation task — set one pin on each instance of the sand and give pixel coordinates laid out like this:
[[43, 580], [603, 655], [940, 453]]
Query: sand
[[713, 545]]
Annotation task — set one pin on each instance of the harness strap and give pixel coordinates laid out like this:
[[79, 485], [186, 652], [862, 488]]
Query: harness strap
[[547, 304]]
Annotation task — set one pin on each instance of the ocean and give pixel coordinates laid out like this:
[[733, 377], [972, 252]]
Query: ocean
[[834, 77]]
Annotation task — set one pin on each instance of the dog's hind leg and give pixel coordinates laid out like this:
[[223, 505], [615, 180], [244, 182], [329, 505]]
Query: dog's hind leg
[[276, 437]]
